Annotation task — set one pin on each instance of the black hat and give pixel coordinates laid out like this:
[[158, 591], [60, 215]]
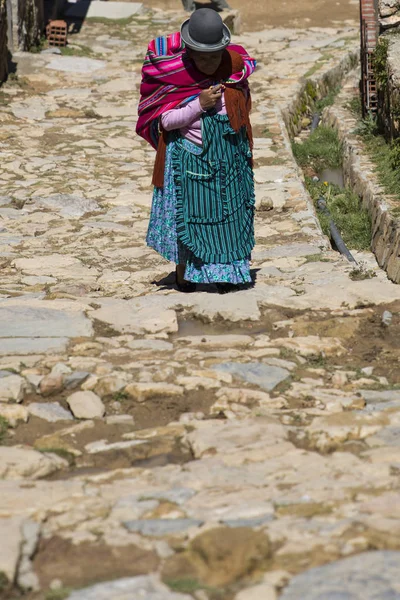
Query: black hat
[[205, 31]]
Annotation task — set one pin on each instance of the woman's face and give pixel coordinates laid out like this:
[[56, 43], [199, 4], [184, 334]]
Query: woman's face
[[206, 62]]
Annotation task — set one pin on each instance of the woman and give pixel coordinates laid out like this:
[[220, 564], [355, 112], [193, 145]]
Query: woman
[[194, 109]]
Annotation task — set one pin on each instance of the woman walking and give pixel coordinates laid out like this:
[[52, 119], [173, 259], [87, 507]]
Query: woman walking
[[194, 110]]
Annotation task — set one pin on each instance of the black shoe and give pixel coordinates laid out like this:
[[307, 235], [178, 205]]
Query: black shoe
[[188, 287], [226, 288]]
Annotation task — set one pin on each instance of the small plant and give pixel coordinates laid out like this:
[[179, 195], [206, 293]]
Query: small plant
[[367, 127], [354, 106], [76, 51], [395, 154], [321, 150], [3, 430], [3, 581], [360, 272], [379, 62], [328, 100], [60, 594], [346, 212], [120, 396]]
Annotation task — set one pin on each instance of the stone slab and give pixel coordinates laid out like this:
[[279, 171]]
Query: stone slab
[[265, 376], [22, 346], [146, 587], [11, 540], [369, 576], [380, 397], [49, 411], [287, 250], [159, 527], [34, 322], [68, 205], [75, 64], [86, 9]]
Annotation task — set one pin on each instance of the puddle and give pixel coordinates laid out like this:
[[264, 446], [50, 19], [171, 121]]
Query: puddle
[[334, 176], [191, 327]]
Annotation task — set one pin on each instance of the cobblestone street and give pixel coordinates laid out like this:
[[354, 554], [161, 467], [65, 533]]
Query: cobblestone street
[[172, 446]]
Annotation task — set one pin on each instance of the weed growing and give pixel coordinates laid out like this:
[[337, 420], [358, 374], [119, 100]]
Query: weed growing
[[361, 272], [60, 594], [352, 221], [76, 51], [385, 155], [3, 428], [3, 581], [328, 100], [321, 150]]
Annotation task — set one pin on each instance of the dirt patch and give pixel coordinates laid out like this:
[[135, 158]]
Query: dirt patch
[[85, 564], [220, 557], [274, 13]]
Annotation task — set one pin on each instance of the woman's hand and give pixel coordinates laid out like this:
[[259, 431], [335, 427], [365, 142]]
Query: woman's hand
[[209, 98]]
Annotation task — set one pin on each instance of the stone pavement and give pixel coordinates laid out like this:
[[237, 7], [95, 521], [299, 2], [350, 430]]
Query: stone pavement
[[165, 446]]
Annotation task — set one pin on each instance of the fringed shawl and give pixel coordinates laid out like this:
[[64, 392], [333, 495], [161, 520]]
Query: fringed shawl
[[170, 79]]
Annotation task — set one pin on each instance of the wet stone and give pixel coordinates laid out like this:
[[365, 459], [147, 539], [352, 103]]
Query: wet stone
[[159, 527], [265, 376], [369, 576]]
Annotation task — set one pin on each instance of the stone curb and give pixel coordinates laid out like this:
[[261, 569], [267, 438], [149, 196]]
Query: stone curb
[[359, 175]]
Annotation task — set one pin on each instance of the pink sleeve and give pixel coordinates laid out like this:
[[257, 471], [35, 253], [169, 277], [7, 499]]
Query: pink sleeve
[[181, 117]]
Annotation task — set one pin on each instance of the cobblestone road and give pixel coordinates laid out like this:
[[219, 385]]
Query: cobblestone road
[[220, 444]]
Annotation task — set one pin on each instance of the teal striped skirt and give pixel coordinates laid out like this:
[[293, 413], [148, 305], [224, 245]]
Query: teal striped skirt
[[162, 235]]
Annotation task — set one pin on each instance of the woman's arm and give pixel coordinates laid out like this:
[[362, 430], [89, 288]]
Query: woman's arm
[[182, 117]]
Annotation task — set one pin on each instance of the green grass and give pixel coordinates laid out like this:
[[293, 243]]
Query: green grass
[[3, 581], [105, 21], [321, 150], [60, 594], [3, 431], [328, 100], [360, 273], [344, 206], [385, 156], [81, 51]]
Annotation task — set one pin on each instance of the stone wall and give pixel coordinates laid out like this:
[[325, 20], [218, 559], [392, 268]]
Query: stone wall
[[359, 175], [3, 40], [313, 89], [389, 87], [389, 14]]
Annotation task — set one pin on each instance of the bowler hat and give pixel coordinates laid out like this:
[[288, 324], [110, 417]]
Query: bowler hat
[[205, 31]]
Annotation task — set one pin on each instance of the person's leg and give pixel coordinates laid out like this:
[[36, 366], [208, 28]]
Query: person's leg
[[182, 284], [180, 274]]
